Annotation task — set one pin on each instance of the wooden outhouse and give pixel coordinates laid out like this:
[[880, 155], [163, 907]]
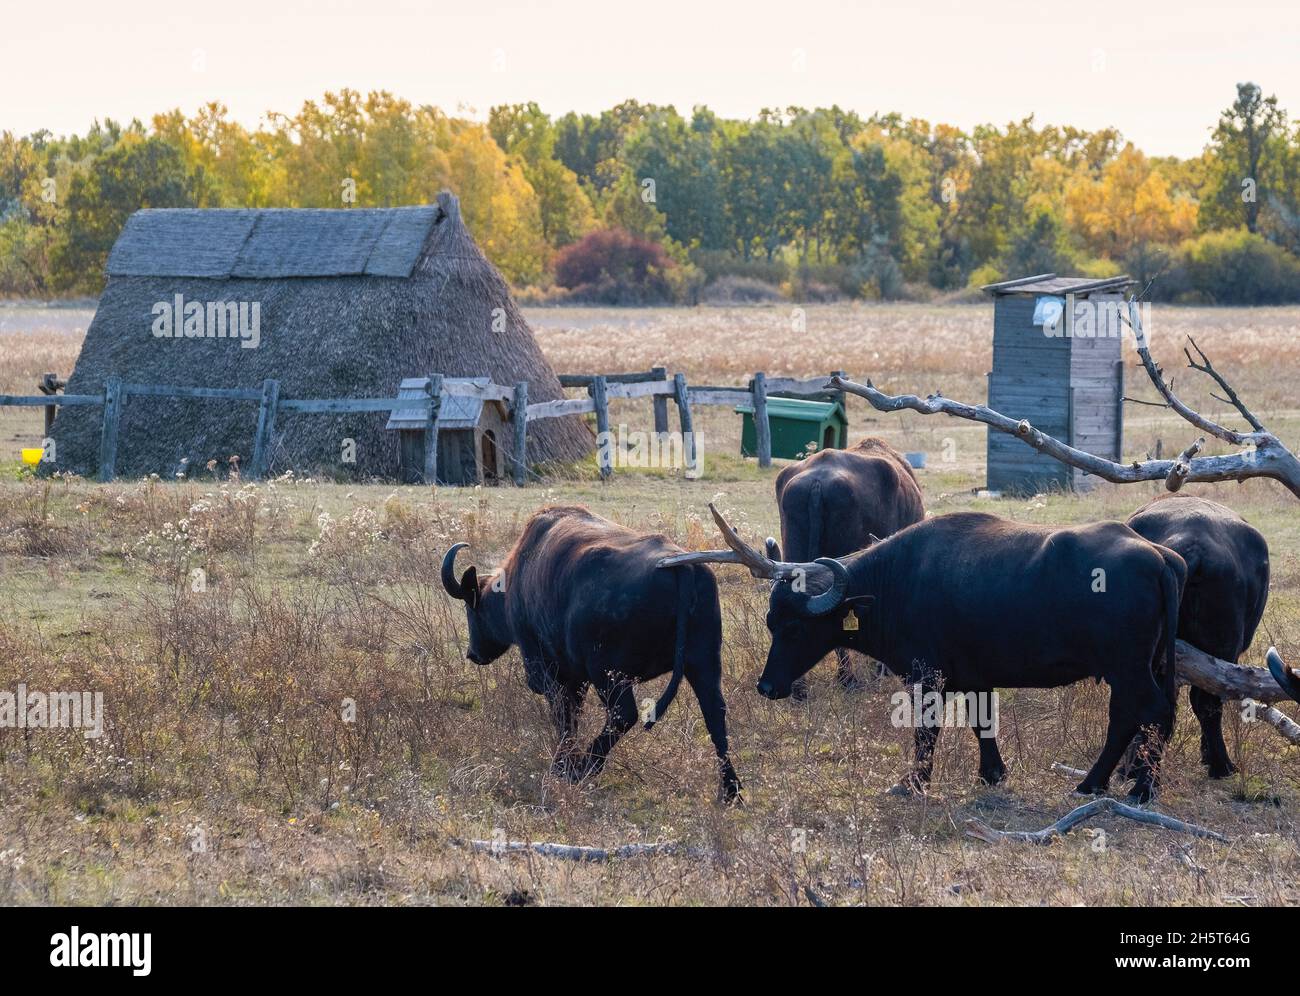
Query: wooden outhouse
[[473, 434], [1058, 362]]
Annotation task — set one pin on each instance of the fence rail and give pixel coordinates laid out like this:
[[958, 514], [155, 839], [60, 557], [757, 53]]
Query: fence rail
[[601, 389]]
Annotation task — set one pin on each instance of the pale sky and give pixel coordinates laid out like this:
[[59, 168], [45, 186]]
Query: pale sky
[[1160, 70]]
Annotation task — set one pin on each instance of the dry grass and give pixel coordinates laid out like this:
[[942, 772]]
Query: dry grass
[[225, 707]]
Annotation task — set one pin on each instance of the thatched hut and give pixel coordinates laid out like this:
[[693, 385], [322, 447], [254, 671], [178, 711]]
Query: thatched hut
[[331, 303]]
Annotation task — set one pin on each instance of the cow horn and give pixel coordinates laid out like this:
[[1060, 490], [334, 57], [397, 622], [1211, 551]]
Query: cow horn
[[454, 588], [830, 599], [1285, 676]]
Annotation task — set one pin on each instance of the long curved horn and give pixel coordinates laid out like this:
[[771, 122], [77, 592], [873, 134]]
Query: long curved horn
[[454, 588], [745, 555], [830, 599], [1285, 676]]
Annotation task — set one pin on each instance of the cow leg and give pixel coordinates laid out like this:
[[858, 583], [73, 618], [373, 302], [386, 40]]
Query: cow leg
[[925, 739], [1209, 713], [992, 769], [1133, 709], [538, 675], [1156, 726], [708, 692], [566, 707], [1120, 730], [619, 697]]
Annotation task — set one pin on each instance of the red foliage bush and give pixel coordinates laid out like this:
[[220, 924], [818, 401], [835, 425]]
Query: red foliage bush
[[613, 261]]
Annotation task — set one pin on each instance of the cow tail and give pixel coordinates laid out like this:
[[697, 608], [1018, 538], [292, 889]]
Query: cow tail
[[685, 603], [815, 520], [1172, 592]]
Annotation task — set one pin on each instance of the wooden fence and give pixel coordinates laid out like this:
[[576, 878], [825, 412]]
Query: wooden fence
[[601, 390]]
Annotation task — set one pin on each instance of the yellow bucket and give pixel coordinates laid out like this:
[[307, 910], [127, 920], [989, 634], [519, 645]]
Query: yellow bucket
[[32, 457]]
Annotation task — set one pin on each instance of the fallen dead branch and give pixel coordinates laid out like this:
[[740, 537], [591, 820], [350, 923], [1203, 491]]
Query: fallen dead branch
[[577, 852], [1225, 679], [1277, 719], [1066, 769], [982, 831]]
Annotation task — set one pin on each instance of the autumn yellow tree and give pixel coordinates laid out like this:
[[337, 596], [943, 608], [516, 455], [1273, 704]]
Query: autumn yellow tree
[[498, 204], [1129, 213]]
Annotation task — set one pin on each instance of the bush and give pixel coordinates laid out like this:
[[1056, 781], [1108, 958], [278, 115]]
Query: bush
[[1233, 267], [740, 290], [717, 264], [986, 274], [613, 266]]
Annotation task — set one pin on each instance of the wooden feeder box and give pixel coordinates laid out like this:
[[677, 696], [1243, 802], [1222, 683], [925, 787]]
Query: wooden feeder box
[[1058, 362], [472, 434], [798, 427]]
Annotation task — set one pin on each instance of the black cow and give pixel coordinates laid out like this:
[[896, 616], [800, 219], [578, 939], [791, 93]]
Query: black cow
[[1227, 586], [837, 502], [971, 602], [581, 598]]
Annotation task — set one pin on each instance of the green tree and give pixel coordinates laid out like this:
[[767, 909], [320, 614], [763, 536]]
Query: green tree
[[1248, 146], [136, 173]]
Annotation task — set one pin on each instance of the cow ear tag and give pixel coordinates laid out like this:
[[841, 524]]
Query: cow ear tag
[[851, 622]]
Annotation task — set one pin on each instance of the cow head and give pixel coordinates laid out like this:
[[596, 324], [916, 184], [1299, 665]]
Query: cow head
[[806, 615], [806, 612], [489, 635]]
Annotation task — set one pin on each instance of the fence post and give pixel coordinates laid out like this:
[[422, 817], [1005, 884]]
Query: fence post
[[603, 455], [434, 389], [108, 436], [265, 437], [660, 402], [47, 387], [683, 399], [520, 418], [762, 428]]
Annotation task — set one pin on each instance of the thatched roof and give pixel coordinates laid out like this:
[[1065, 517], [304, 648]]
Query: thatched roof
[[351, 302]]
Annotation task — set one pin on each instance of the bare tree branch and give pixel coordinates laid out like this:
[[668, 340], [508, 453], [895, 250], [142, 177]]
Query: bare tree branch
[[1269, 459], [1166, 390], [1206, 367], [977, 828], [1226, 679]]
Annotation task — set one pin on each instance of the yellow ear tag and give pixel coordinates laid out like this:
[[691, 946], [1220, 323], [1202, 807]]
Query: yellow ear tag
[[851, 622]]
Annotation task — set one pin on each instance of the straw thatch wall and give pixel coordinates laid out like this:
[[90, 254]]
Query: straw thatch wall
[[354, 335]]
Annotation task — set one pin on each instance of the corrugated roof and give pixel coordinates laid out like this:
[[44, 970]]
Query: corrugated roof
[[272, 243], [1050, 283]]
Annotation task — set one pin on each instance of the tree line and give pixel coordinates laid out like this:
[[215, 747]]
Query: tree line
[[642, 202]]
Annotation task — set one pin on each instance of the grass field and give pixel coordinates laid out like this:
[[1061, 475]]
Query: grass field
[[227, 773]]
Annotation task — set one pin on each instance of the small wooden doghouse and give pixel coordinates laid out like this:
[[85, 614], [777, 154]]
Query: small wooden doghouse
[[798, 427], [472, 434], [1058, 362]]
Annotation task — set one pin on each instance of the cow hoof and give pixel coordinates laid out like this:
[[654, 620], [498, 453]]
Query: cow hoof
[[1224, 770], [994, 777], [1140, 797], [730, 796], [1086, 791]]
